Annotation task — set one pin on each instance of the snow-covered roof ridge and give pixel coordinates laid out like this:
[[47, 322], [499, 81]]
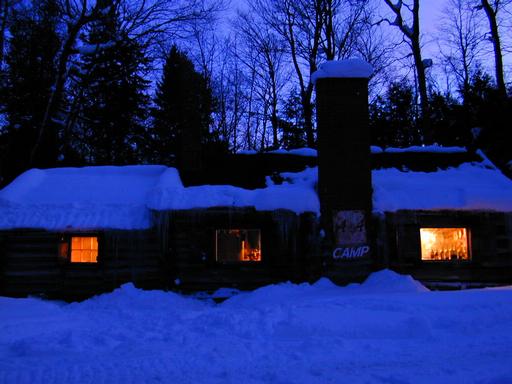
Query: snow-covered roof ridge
[[348, 68]]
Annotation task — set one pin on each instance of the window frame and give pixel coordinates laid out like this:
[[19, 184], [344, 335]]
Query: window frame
[[67, 238]]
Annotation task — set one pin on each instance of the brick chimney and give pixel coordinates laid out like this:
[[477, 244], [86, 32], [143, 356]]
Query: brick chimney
[[344, 171]]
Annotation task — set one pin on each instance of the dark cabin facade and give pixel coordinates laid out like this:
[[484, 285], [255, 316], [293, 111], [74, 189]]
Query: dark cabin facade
[[39, 262], [71, 249]]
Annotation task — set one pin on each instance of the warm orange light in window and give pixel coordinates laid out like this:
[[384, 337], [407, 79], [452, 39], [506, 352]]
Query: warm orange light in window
[[444, 244], [84, 249], [249, 254], [235, 245]]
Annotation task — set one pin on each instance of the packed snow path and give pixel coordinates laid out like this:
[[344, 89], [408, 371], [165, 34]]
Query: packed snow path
[[387, 330]]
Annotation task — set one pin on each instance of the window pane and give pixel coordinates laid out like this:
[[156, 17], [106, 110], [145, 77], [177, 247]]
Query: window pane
[[84, 249], [238, 245], [76, 243], [444, 244], [76, 256]]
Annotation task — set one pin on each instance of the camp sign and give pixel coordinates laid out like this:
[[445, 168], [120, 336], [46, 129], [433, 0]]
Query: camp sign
[[349, 229]]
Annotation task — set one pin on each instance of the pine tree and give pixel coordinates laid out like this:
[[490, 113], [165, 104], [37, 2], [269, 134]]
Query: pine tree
[[449, 121], [487, 112], [182, 113], [392, 118], [111, 123], [292, 125], [28, 79]]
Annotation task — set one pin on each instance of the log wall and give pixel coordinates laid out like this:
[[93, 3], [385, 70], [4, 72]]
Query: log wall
[[31, 266], [288, 244], [180, 253], [490, 239]]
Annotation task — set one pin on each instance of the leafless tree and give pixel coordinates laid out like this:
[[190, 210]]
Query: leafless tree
[[344, 22], [230, 92], [299, 24], [493, 10], [376, 47], [313, 30], [461, 40], [263, 56], [406, 13]]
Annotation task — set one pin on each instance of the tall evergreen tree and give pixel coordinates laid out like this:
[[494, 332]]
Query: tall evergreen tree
[[182, 113], [292, 123], [487, 109], [112, 91], [28, 78], [392, 118]]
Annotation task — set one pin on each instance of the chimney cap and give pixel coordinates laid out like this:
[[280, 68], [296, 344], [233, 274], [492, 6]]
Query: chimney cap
[[349, 68]]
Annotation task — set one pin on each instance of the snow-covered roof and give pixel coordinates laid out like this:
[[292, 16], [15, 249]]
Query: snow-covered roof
[[349, 68], [310, 152], [123, 197], [469, 186], [433, 148], [307, 152]]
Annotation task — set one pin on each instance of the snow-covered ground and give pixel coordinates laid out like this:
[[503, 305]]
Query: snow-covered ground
[[390, 329]]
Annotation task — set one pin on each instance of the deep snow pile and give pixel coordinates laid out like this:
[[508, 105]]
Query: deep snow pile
[[390, 329]]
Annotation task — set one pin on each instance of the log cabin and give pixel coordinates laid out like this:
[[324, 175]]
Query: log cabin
[[443, 215]]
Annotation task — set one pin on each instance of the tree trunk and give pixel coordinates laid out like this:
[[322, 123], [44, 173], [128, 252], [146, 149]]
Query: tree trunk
[[413, 35], [420, 71], [273, 116], [58, 88], [308, 116], [496, 42], [422, 88]]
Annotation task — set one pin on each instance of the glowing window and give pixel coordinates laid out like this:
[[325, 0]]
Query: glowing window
[[444, 244], [84, 249], [238, 245]]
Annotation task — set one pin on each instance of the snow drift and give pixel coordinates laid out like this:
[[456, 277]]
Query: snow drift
[[389, 329]]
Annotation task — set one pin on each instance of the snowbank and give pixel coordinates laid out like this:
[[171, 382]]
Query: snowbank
[[349, 68], [283, 333], [387, 281]]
